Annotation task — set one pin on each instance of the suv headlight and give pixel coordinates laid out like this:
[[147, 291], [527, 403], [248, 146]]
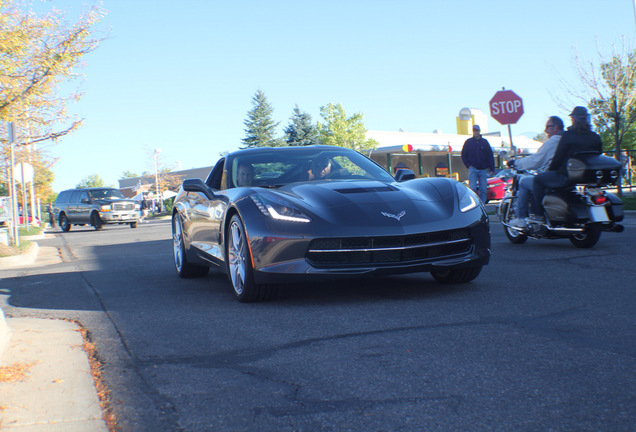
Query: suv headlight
[[278, 208], [105, 208]]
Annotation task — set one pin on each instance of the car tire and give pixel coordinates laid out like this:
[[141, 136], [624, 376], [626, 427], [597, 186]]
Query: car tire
[[184, 268], [239, 262], [65, 225], [96, 221], [588, 238], [456, 276], [133, 224]]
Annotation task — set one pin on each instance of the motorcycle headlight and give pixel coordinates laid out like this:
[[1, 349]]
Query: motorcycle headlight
[[279, 208], [468, 199]]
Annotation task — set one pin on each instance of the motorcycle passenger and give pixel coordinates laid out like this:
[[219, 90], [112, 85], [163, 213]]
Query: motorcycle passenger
[[540, 161], [577, 139]]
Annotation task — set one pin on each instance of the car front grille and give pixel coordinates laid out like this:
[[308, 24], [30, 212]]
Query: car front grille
[[347, 251], [123, 207]]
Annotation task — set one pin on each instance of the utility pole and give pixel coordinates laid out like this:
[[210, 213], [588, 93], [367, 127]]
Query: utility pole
[[12, 191]]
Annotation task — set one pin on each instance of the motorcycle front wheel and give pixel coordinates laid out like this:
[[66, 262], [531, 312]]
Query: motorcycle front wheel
[[515, 236]]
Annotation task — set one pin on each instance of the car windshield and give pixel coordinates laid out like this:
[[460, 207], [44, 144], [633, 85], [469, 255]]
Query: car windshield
[[279, 167], [105, 194]]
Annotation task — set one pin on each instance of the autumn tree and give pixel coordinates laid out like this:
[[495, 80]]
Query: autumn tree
[[260, 127], [301, 131], [39, 57], [340, 130]]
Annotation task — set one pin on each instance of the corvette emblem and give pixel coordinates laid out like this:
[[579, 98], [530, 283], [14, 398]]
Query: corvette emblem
[[396, 217]]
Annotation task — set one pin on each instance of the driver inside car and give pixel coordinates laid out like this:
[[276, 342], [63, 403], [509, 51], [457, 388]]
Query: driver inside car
[[245, 175]]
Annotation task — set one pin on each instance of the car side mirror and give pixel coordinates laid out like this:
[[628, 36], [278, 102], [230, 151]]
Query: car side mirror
[[85, 201], [404, 175], [197, 185]]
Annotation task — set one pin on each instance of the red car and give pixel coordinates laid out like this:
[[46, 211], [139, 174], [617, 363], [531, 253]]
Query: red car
[[497, 185]]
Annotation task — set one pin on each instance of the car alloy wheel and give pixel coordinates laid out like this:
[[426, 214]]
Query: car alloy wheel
[[183, 267], [237, 256]]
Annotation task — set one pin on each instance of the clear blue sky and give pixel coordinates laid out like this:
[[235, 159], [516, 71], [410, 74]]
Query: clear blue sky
[[180, 75]]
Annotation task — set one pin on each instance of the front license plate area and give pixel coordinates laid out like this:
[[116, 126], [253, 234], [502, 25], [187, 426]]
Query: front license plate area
[[598, 214]]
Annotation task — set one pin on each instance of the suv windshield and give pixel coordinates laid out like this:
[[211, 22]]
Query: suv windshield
[[106, 194]]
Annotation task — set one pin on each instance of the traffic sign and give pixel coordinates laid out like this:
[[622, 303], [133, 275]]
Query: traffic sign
[[506, 107]]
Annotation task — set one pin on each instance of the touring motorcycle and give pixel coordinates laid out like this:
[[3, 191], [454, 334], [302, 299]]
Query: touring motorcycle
[[579, 211]]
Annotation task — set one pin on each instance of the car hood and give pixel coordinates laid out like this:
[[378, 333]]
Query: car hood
[[370, 203]]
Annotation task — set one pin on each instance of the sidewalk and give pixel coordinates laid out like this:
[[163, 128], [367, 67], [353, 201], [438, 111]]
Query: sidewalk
[[46, 384], [45, 380]]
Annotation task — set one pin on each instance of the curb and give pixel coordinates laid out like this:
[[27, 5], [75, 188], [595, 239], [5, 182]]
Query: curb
[[21, 260]]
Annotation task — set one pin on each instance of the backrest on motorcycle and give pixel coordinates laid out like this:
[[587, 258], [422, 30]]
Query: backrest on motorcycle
[[593, 169]]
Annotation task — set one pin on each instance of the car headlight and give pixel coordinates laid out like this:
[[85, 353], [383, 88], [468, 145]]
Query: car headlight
[[468, 199], [104, 208], [278, 208]]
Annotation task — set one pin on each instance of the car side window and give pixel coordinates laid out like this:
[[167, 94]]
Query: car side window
[[63, 197], [83, 197], [74, 197], [215, 179]]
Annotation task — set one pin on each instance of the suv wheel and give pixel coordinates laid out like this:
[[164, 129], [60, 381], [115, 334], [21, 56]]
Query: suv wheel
[[64, 223], [96, 221]]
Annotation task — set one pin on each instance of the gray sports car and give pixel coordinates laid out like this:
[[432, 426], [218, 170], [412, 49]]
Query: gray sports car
[[267, 216]]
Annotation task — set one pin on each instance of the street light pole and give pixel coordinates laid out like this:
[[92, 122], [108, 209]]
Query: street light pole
[[157, 151]]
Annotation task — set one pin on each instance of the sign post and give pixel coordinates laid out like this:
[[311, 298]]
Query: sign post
[[507, 108]]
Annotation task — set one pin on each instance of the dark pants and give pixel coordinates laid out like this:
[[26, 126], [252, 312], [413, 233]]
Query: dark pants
[[547, 179]]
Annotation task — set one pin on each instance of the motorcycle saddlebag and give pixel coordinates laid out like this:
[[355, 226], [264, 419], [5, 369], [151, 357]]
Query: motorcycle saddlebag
[[593, 168], [563, 207], [615, 211]]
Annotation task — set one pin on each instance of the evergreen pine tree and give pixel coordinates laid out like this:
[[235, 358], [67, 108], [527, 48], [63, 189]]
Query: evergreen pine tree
[[259, 131], [301, 131]]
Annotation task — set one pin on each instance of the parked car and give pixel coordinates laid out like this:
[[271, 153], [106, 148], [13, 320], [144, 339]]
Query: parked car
[[496, 188], [96, 207], [322, 212], [498, 184], [5, 211]]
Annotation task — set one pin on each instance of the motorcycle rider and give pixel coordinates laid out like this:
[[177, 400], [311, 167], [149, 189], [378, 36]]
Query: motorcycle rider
[[578, 138], [538, 161]]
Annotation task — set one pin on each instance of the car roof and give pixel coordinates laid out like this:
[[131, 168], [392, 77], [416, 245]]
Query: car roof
[[257, 150]]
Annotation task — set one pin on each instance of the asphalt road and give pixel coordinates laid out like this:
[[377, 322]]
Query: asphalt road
[[544, 339]]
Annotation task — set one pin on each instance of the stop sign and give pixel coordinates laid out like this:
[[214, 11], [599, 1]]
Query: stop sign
[[506, 107]]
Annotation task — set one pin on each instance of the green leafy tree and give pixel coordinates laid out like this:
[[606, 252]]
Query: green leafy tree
[[614, 104], [301, 131], [340, 130], [260, 128], [93, 180], [128, 174], [609, 91]]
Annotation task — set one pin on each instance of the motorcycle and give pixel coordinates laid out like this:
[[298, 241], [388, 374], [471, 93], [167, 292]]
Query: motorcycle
[[579, 211]]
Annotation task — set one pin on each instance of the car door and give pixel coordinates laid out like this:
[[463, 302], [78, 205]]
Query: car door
[[84, 207], [71, 208], [205, 214]]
